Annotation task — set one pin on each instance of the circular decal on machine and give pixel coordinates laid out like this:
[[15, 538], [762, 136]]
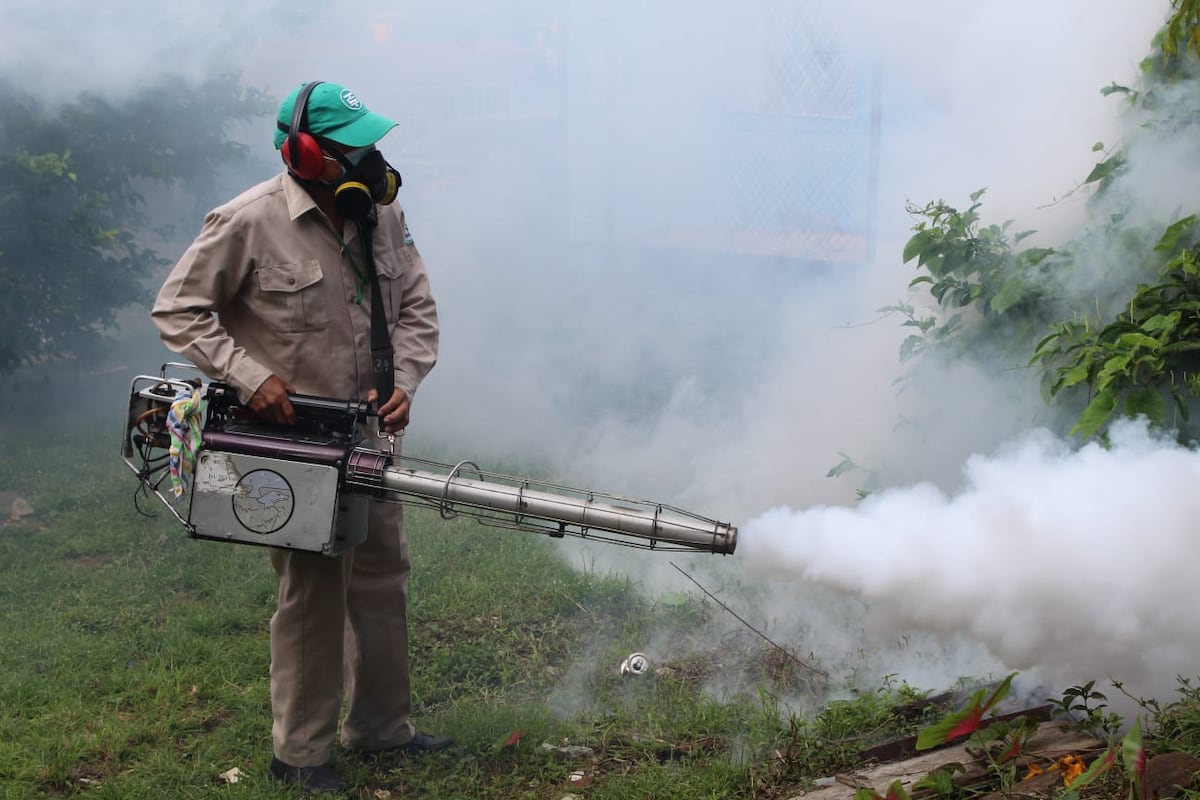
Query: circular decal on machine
[[263, 501]]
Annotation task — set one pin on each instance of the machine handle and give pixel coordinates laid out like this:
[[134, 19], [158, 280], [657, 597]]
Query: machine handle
[[314, 403]]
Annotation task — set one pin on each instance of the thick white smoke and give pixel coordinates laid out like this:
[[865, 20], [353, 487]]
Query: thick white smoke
[[1079, 562]]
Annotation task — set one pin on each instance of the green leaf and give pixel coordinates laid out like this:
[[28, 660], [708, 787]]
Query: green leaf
[[1162, 322], [1077, 374], [1135, 340], [918, 244], [1105, 169], [1009, 295], [1097, 768], [896, 791], [940, 781], [1187, 263], [1044, 345], [965, 722], [1133, 754], [1095, 415], [1034, 256], [1169, 241], [1113, 88], [977, 194], [1148, 403], [1097, 147], [846, 465], [1115, 367], [511, 739]]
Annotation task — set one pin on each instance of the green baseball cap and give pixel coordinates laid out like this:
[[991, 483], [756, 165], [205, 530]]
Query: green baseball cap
[[336, 113]]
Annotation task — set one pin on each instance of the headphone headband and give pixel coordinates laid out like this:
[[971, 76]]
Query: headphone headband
[[300, 111], [297, 129]]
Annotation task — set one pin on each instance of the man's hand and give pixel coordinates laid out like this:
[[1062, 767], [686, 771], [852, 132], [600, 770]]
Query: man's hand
[[393, 415], [270, 401]]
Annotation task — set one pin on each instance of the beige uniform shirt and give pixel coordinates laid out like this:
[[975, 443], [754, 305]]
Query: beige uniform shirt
[[267, 288]]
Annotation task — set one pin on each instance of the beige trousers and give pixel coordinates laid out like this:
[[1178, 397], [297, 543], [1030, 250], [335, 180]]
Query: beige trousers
[[341, 625]]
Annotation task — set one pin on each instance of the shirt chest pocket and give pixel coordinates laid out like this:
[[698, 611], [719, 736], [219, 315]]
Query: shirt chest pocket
[[291, 297], [391, 275]]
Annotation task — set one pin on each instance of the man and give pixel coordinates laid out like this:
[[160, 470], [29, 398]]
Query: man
[[276, 296]]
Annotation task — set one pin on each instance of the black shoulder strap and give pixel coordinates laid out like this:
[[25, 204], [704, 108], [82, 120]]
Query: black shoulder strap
[[382, 355]]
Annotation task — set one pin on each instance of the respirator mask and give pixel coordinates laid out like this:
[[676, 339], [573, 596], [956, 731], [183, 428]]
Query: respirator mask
[[366, 179]]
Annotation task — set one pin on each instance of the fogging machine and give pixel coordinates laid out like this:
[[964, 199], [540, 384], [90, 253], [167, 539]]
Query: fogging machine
[[307, 486]]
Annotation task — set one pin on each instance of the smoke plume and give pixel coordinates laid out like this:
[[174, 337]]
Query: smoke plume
[[1078, 562]]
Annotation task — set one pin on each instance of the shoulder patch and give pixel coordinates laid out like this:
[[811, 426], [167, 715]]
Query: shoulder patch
[[407, 234]]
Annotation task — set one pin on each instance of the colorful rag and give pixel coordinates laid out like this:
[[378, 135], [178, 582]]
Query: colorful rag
[[184, 421]]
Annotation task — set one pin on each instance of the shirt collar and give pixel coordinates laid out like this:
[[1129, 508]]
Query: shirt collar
[[299, 201]]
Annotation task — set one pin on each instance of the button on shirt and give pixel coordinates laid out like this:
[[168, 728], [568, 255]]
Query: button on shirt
[[267, 287]]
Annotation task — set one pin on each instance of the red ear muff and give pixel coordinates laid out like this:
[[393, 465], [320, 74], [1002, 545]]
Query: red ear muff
[[306, 161], [301, 152]]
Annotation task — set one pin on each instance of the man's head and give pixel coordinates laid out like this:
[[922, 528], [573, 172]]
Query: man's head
[[317, 114], [327, 139]]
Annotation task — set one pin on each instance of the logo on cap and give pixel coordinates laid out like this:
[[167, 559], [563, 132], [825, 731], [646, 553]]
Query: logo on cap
[[350, 100]]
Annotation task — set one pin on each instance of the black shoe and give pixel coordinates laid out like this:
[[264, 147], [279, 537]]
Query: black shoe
[[310, 779], [420, 744]]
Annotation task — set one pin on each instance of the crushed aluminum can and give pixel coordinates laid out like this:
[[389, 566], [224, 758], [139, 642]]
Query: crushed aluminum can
[[635, 664]]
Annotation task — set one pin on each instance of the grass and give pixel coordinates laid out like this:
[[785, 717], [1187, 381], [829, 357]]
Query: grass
[[133, 663], [135, 660]]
